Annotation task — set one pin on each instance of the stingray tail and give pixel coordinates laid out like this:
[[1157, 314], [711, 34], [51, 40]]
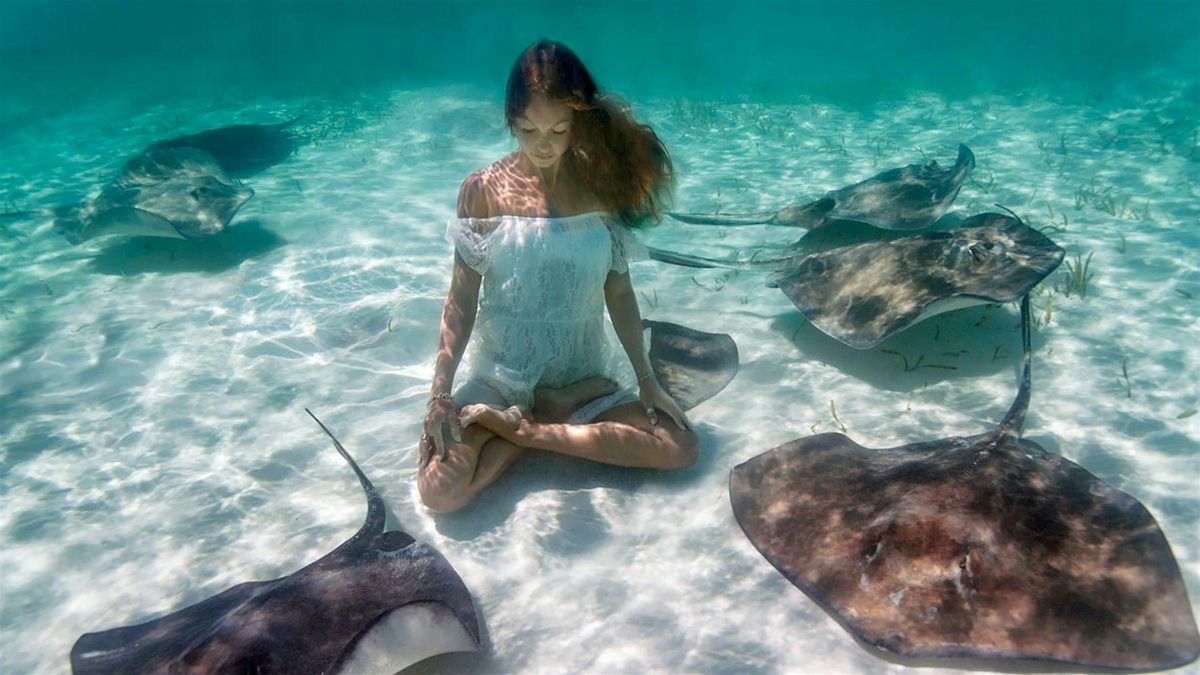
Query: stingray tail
[[1011, 424], [1010, 212], [728, 220], [375, 512], [303, 117], [685, 260]]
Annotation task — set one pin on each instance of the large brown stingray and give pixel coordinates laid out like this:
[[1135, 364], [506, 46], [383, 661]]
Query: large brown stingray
[[982, 546]]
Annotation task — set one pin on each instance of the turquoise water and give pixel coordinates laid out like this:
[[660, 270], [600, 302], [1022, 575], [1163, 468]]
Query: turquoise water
[[154, 445]]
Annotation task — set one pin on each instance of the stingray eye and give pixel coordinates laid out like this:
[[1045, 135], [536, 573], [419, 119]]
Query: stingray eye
[[195, 193]]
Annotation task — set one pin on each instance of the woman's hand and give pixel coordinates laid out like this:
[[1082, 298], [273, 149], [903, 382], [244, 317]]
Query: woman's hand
[[440, 417], [655, 399]]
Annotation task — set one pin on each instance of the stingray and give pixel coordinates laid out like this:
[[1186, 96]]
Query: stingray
[[180, 193], [381, 594], [242, 150], [691, 365], [910, 197], [863, 294], [983, 547]]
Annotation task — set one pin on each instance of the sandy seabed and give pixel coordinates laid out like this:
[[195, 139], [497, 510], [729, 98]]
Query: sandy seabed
[[155, 448]]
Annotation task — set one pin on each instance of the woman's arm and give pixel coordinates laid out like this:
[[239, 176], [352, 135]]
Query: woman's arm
[[627, 321], [458, 319]]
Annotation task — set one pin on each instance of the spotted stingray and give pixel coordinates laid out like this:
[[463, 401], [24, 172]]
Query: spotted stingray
[[177, 193], [864, 293], [985, 547]]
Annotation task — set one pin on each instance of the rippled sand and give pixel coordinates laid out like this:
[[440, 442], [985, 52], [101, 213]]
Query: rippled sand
[[155, 449]]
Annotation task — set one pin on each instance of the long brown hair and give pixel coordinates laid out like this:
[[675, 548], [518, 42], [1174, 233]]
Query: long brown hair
[[622, 162]]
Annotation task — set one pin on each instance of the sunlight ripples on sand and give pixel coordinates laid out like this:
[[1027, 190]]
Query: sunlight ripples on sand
[[155, 449]]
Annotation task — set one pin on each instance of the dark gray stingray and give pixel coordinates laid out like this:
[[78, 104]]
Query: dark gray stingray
[[864, 293], [979, 547], [911, 197], [180, 193], [691, 365], [377, 587], [242, 150]]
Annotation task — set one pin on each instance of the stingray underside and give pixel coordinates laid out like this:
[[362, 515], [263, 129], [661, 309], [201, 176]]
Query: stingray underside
[[862, 294], [311, 621], [985, 546]]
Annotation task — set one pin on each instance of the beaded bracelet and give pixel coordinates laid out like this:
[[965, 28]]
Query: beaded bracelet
[[440, 396], [649, 374]]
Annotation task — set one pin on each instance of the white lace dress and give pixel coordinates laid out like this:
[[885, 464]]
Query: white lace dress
[[541, 307]]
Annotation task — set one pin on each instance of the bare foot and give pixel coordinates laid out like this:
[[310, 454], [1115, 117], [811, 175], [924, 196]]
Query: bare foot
[[503, 423], [556, 405]]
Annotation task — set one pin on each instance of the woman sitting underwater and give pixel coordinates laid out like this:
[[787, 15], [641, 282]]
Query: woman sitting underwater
[[542, 245]]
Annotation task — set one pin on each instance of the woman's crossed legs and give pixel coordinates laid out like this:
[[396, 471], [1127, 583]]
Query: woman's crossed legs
[[498, 435]]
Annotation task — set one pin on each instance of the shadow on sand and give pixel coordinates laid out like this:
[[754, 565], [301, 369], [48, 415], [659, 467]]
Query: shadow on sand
[[143, 255], [966, 343]]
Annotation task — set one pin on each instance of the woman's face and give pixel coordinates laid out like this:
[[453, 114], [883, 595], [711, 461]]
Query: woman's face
[[544, 131]]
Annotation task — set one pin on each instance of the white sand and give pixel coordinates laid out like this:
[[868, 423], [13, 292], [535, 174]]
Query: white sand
[[155, 450]]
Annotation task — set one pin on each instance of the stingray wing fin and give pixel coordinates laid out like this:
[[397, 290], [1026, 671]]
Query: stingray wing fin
[[158, 164], [151, 646], [123, 220], [693, 366], [144, 223]]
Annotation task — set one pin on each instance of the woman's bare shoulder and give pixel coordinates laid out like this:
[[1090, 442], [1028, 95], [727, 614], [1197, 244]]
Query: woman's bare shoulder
[[482, 193], [473, 197]]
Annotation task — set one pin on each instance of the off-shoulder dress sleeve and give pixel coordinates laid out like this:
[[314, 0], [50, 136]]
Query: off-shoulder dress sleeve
[[626, 248], [471, 238]]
